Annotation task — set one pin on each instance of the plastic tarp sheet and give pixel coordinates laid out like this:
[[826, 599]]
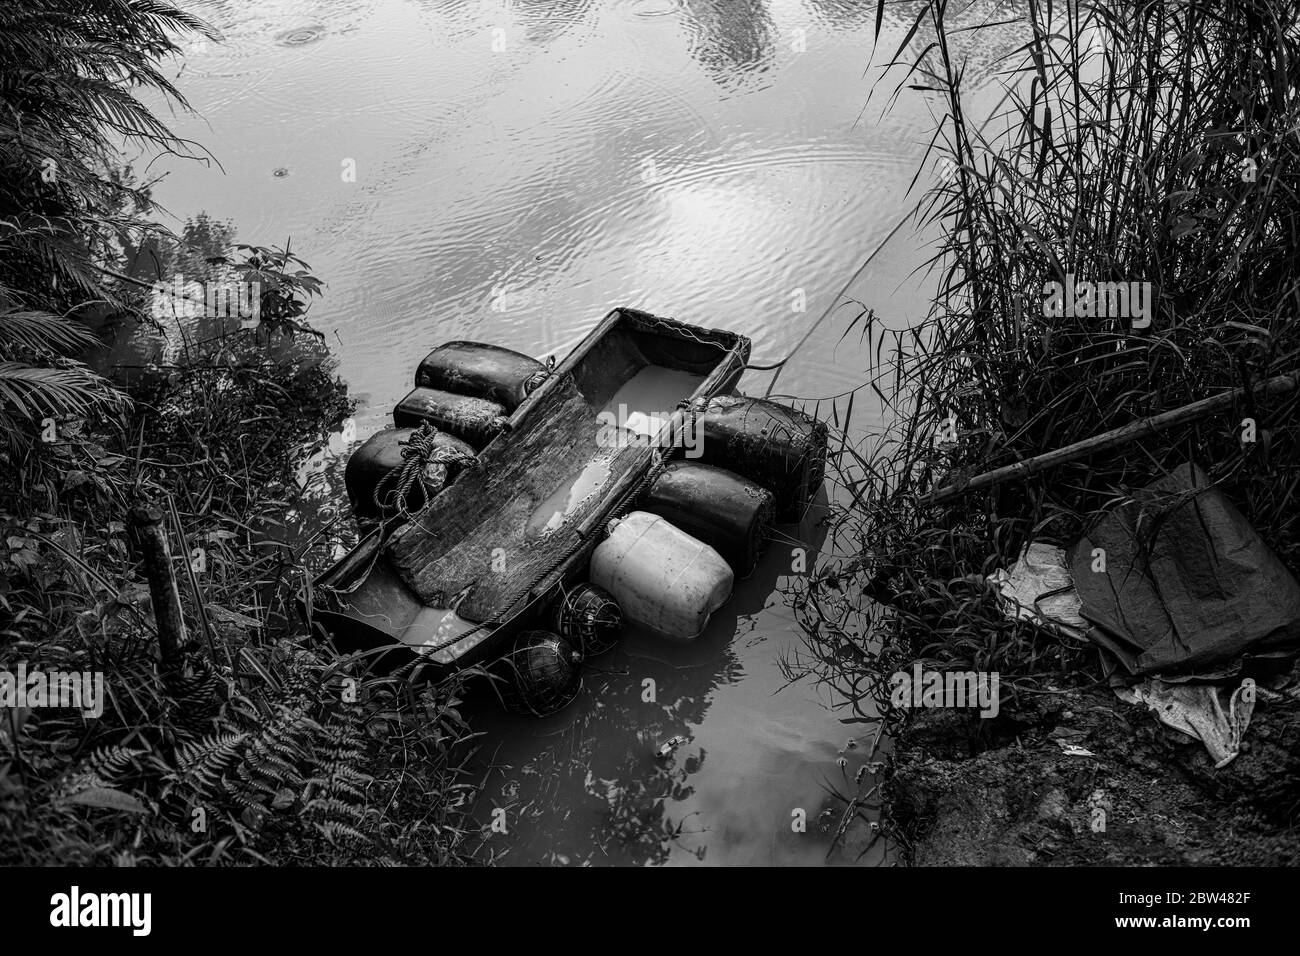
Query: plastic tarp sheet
[[1187, 582]]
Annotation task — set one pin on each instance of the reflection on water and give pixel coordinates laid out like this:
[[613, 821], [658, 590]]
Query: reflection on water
[[523, 165], [520, 167], [731, 38], [587, 786], [546, 20]]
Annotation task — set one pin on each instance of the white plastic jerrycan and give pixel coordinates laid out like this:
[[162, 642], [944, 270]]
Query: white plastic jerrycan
[[665, 580]]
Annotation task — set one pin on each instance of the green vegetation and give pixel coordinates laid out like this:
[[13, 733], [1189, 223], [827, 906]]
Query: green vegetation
[[1148, 141], [259, 744]]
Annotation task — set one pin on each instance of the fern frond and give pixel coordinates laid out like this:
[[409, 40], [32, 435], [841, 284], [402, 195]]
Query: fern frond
[[108, 765], [202, 764]]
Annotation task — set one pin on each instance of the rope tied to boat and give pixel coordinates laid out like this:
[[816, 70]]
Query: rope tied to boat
[[424, 460], [536, 380]]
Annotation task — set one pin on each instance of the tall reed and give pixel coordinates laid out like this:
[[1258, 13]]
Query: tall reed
[[1142, 142]]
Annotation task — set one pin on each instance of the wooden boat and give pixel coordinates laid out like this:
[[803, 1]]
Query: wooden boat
[[488, 554]]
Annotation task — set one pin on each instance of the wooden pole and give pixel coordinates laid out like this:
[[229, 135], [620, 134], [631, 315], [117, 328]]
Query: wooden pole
[[151, 539], [1279, 385], [195, 590]]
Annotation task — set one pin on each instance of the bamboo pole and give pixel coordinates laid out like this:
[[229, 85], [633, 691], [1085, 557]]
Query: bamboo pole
[[151, 539], [1278, 385], [195, 590]]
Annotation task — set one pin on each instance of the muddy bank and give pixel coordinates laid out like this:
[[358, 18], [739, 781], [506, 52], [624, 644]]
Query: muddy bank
[[1003, 792]]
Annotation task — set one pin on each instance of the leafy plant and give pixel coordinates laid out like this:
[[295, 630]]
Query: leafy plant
[[285, 296], [69, 75]]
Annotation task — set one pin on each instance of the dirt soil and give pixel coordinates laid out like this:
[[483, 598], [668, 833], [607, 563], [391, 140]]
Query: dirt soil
[[964, 791]]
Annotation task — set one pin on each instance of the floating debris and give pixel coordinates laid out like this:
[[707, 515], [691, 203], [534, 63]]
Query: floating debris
[[667, 748], [1074, 750]]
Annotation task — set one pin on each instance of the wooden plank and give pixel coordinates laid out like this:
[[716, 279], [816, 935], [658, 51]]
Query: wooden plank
[[146, 526], [474, 541]]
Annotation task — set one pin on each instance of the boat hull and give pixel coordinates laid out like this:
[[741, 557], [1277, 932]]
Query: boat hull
[[366, 602]]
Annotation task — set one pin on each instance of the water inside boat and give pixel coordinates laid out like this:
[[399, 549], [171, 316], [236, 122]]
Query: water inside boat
[[568, 498], [646, 401], [639, 409], [384, 605]]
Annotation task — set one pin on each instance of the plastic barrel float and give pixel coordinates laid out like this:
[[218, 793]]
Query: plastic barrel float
[[665, 580], [488, 372], [779, 447], [386, 452], [731, 514], [510, 535], [468, 389]]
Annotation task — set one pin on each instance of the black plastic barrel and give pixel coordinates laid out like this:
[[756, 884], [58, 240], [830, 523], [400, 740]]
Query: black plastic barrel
[[381, 454], [481, 371], [782, 449], [727, 512], [475, 420]]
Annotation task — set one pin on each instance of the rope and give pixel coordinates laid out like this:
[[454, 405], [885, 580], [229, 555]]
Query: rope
[[658, 464], [424, 461]]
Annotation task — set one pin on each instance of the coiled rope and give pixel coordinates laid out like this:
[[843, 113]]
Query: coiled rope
[[424, 462]]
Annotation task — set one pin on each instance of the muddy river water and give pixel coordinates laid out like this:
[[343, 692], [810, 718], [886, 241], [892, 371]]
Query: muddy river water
[[509, 170]]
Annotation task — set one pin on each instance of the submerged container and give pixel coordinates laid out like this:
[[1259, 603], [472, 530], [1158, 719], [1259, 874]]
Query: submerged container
[[476, 420], [781, 448], [490, 372], [664, 579], [729, 513], [380, 455]]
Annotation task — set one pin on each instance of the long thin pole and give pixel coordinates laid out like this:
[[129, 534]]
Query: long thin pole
[[1279, 385]]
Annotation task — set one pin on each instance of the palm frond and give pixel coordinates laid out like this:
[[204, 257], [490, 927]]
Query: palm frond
[[40, 333], [32, 393]]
